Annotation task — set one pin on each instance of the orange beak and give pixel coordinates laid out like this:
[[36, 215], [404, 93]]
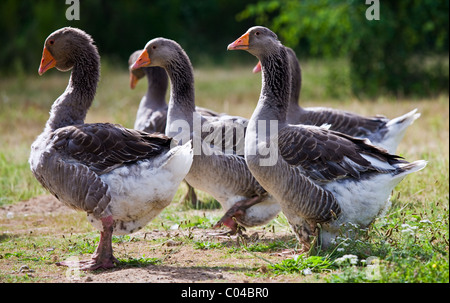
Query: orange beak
[[47, 62], [133, 80], [257, 68], [142, 61], [241, 43]]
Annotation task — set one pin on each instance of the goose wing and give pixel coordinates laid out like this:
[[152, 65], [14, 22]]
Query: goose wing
[[225, 133], [325, 155], [152, 121], [348, 123], [103, 146]]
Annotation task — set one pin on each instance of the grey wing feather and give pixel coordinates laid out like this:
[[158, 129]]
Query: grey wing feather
[[229, 133], [345, 122], [157, 122], [103, 147], [74, 184], [206, 112], [326, 155]]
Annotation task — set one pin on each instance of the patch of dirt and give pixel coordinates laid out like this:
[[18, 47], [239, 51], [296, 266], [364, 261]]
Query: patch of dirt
[[40, 205], [182, 263]]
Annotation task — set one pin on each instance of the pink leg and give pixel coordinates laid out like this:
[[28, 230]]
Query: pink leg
[[103, 255], [236, 211]]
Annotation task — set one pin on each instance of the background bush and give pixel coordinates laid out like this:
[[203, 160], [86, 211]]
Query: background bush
[[403, 53]]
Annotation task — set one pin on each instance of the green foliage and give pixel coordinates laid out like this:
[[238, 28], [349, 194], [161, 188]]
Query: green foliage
[[207, 245], [140, 262], [302, 264], [410, 246], [202, 27], [403, 53], [262, 246], [85, 245], [386, 55], [14, 184]]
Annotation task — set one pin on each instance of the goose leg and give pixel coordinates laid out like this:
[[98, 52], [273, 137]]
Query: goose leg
[[103, 256], [191, 197], [307, 233], [235, 212]]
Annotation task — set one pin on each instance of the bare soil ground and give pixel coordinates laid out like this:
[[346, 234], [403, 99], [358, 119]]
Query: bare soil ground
[[181, 261]]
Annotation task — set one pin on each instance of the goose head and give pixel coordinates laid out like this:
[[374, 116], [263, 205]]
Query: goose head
[[158, 52], [135, 74], [257, 41], [63, 47]]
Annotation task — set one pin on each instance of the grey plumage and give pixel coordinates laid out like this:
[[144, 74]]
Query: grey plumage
[[224, 175], [97, 167], [381, 131], [319, 175], [152, 112]]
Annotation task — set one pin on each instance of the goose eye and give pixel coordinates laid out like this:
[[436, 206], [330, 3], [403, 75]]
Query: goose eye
[[154, 47], [51, 42], [257, 33]]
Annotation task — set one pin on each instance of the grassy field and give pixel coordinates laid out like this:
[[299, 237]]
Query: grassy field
[[409, 244]]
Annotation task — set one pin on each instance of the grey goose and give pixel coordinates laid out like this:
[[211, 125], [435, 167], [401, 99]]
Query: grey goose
[[221, 173], [323, 179], [122, 178], [151, 115]]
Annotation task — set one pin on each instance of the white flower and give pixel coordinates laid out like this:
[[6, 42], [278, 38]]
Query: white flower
[[352, 259], [307, 271], [408, 229]]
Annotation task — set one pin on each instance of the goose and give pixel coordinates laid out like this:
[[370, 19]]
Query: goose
[[152, 112], [322, 179], [378, 129], [122, 178], [219, 166]]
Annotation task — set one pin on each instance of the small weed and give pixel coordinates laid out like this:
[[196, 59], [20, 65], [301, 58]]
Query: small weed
[[84, 245], [124, 239], [207, 245], [140, 262], [303, 264], [266, 246]]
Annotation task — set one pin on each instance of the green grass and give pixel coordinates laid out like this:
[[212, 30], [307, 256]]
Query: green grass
[[140, 261], [207, 245], [409, 244], [303, 264]]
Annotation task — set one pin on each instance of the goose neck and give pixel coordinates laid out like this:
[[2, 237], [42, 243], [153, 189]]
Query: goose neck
[[72, 106], [157, 87], [182, 95], [275, 90]]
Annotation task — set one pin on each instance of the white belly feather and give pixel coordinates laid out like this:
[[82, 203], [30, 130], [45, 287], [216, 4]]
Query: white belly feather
[[140, 192]]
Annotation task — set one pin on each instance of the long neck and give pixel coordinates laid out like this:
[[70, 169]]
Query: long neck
[[157, 87], [294, 110], [72, 106], [275, 91], [182, 94], [296, 79]]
